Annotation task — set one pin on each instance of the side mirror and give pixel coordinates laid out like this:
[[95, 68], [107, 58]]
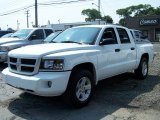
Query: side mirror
[[33, 37], [107, 41]]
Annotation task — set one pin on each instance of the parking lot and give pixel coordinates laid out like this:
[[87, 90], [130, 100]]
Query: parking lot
[[118, 98]]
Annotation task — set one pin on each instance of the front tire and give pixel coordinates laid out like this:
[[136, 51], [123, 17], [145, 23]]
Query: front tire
[[80, 88], [142, 71]]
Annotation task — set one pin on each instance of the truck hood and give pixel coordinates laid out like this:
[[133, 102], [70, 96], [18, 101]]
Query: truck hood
[[46, 49], [8, 40]]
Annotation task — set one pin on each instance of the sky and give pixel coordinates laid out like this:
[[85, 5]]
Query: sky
[[67, 13]]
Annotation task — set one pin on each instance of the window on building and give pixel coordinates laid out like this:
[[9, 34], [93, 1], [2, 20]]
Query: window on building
[[158, 34]]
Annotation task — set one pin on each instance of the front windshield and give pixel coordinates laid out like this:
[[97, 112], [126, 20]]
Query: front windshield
[[23, 33], [51, 37], [84, 35]]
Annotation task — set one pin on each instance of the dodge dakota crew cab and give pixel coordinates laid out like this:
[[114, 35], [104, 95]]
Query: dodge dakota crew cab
[[21, 38], [76, 61]]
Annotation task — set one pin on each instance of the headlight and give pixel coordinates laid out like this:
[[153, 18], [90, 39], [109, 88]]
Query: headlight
[[4, 48], [52, 64]]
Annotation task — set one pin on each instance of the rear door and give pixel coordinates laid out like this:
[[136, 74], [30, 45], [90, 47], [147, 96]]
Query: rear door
[[128, 49]]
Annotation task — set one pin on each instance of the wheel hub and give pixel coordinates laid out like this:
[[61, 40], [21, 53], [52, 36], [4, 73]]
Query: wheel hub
[[83, 89]]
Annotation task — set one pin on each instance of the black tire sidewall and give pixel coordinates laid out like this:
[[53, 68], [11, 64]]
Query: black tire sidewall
[[138, 71], [71, 91]]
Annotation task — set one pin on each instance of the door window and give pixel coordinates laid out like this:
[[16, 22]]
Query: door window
[[109, 37], [38, 34], [123, 35], [48, 32], [136, 34]]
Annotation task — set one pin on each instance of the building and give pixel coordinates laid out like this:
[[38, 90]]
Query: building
[[64, 26], [149, 25]]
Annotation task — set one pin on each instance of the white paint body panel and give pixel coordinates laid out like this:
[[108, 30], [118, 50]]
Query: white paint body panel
[[105, 60]]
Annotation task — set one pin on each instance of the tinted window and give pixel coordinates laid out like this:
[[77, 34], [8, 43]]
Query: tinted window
[[109, 37], [39, 34], [123, 35], [48, 32], [136, 34]]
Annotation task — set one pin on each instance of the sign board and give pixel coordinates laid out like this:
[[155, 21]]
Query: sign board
[[148, 22]]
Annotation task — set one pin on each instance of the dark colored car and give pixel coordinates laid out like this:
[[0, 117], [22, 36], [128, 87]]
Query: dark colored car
[[3, 32]]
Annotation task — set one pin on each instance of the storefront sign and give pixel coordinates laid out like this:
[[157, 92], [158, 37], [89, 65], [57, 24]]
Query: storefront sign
[[144, 22]]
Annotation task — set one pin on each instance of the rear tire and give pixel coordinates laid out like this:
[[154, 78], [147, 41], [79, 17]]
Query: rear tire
[[80, 88], [142, 71]]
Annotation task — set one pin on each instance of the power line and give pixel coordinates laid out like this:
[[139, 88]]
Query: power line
[[45, 3], [16, 10], [64, 2]]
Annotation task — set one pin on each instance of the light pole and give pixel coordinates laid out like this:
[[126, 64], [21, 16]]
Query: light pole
[[99, 9], [99, 6]]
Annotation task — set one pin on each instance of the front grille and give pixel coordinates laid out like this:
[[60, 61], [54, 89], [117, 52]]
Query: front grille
[[22, 65]]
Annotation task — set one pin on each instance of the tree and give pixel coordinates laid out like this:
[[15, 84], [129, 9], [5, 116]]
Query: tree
[[92, 14], [136, 11], [108, 19]]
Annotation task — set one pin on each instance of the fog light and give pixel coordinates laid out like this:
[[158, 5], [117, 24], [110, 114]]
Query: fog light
[[49, 83]]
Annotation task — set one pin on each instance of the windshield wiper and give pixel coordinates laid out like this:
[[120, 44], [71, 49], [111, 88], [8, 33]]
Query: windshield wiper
[[15, 36], [52, 42], [71, 42]]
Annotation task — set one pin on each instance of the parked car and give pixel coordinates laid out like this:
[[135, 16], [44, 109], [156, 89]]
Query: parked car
[[51, 37], [138, 36], [7, 35], [21, 38], [3, 32], [78, 59]]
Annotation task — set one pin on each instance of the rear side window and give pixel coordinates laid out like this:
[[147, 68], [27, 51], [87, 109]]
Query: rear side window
[[48, 32], [123, 35], [136, 34]]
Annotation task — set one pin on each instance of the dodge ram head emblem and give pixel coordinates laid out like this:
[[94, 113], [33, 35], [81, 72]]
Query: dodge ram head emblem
[[18, 64]]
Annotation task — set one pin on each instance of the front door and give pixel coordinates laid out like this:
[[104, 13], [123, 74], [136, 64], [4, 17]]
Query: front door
[[109, 58], [37, 37]]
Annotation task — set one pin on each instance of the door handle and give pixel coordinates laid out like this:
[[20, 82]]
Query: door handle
[[132, 48], [117, 50]]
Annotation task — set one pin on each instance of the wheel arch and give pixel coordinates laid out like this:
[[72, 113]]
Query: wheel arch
[[145, 55], [87, 66]]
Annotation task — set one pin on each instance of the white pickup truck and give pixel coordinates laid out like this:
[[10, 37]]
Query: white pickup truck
[[22, 37], [76, 61]]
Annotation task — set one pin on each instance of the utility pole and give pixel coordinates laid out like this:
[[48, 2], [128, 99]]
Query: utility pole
[[99, 6], [18, 25], [27, 13], [36, 14]]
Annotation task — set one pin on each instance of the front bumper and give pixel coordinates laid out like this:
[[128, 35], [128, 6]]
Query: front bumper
[[38, 84], [3, 56]]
